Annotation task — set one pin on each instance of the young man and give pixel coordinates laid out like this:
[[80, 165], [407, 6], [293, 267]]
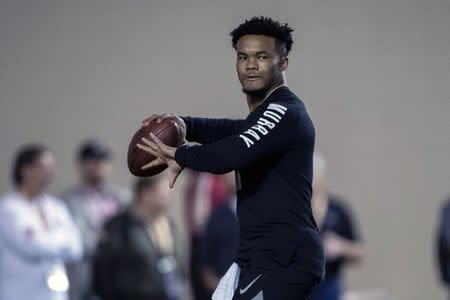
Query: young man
[[37, 234], [280, 254]]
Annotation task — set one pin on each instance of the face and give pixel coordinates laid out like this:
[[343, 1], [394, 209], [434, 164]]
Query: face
[[155, 199], [39, 175], [259, 64], [94, 171]]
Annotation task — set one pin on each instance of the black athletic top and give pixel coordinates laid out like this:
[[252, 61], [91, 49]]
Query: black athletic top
[[272, 153], [340, 220], [443, 243]]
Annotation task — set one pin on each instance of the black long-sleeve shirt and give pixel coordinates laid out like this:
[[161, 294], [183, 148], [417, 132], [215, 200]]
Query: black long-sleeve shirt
[[443, 243], [271, 152]]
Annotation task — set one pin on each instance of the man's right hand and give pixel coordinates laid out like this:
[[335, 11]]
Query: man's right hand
[[180, 122]]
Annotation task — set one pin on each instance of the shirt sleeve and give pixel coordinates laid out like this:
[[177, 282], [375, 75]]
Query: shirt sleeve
[[349, 228], [63, 242], [443, 244], [72, 249], [206, 130], [270, 131]]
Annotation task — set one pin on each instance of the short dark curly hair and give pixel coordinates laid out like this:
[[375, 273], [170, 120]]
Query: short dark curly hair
[[265, 26]]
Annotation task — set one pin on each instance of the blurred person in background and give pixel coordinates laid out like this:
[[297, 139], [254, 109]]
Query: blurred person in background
[[204, 193], [339, 234], [137, 255], [91, 202], [37, 233], [443, 247], [221, 240]]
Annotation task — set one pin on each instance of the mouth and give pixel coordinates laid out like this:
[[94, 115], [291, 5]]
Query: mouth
[[252, 77]]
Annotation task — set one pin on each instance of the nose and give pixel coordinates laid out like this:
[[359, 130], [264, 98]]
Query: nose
[[251, 64]]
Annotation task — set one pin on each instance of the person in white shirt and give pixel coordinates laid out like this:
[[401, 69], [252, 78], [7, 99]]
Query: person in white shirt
[[37, 234]]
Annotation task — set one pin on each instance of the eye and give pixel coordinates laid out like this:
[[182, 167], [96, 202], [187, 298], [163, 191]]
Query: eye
[[261, 57], [241, 58]]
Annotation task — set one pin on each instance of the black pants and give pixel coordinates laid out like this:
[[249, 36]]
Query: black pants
[[292, 282], [272, 288]]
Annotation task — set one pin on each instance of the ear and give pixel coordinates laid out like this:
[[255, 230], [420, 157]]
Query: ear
[[284, 62]]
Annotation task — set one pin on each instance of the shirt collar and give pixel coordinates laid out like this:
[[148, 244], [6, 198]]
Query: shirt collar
[[273, 90]]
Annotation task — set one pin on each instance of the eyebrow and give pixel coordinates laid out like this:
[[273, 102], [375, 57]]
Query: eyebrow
[[257, 53]]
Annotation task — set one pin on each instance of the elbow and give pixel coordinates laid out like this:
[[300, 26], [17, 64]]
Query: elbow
[[73, 254], [217, 163], [357, 255], [227, 162]]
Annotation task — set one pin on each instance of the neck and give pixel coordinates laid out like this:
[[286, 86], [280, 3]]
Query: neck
[[145, 214], [256, 99], [28, 193], [96, 186]]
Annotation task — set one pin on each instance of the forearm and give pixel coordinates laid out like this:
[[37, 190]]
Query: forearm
[[352, 251], [74, 246], [207, 130], [41, 246], [206, 158], [254, 141]]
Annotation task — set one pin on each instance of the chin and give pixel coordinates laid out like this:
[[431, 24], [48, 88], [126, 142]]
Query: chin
[[257, 91], [253, 88], [251, 91]]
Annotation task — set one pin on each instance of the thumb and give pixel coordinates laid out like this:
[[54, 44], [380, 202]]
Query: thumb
[[173, 177]]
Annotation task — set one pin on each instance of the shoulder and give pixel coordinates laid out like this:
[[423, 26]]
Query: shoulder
[[71, 194], [339, 211], [125, 218], [445, 211], [121, 194], [13, 210], [338, 205], [276, 113], [288, 97], [288, 104], [295, 102], [341, 218], [9, 202], [8, 198], [446, 205]]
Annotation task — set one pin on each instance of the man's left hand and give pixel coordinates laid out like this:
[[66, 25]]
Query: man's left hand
[[164, 155]]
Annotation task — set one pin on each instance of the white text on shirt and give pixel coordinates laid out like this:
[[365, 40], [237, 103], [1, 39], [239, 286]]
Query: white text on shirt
[[272, 116]]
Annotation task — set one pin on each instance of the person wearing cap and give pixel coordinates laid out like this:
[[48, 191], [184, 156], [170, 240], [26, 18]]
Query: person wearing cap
[[91, 202]]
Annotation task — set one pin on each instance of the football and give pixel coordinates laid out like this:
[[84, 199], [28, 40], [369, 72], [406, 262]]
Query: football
[[168, 131]]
